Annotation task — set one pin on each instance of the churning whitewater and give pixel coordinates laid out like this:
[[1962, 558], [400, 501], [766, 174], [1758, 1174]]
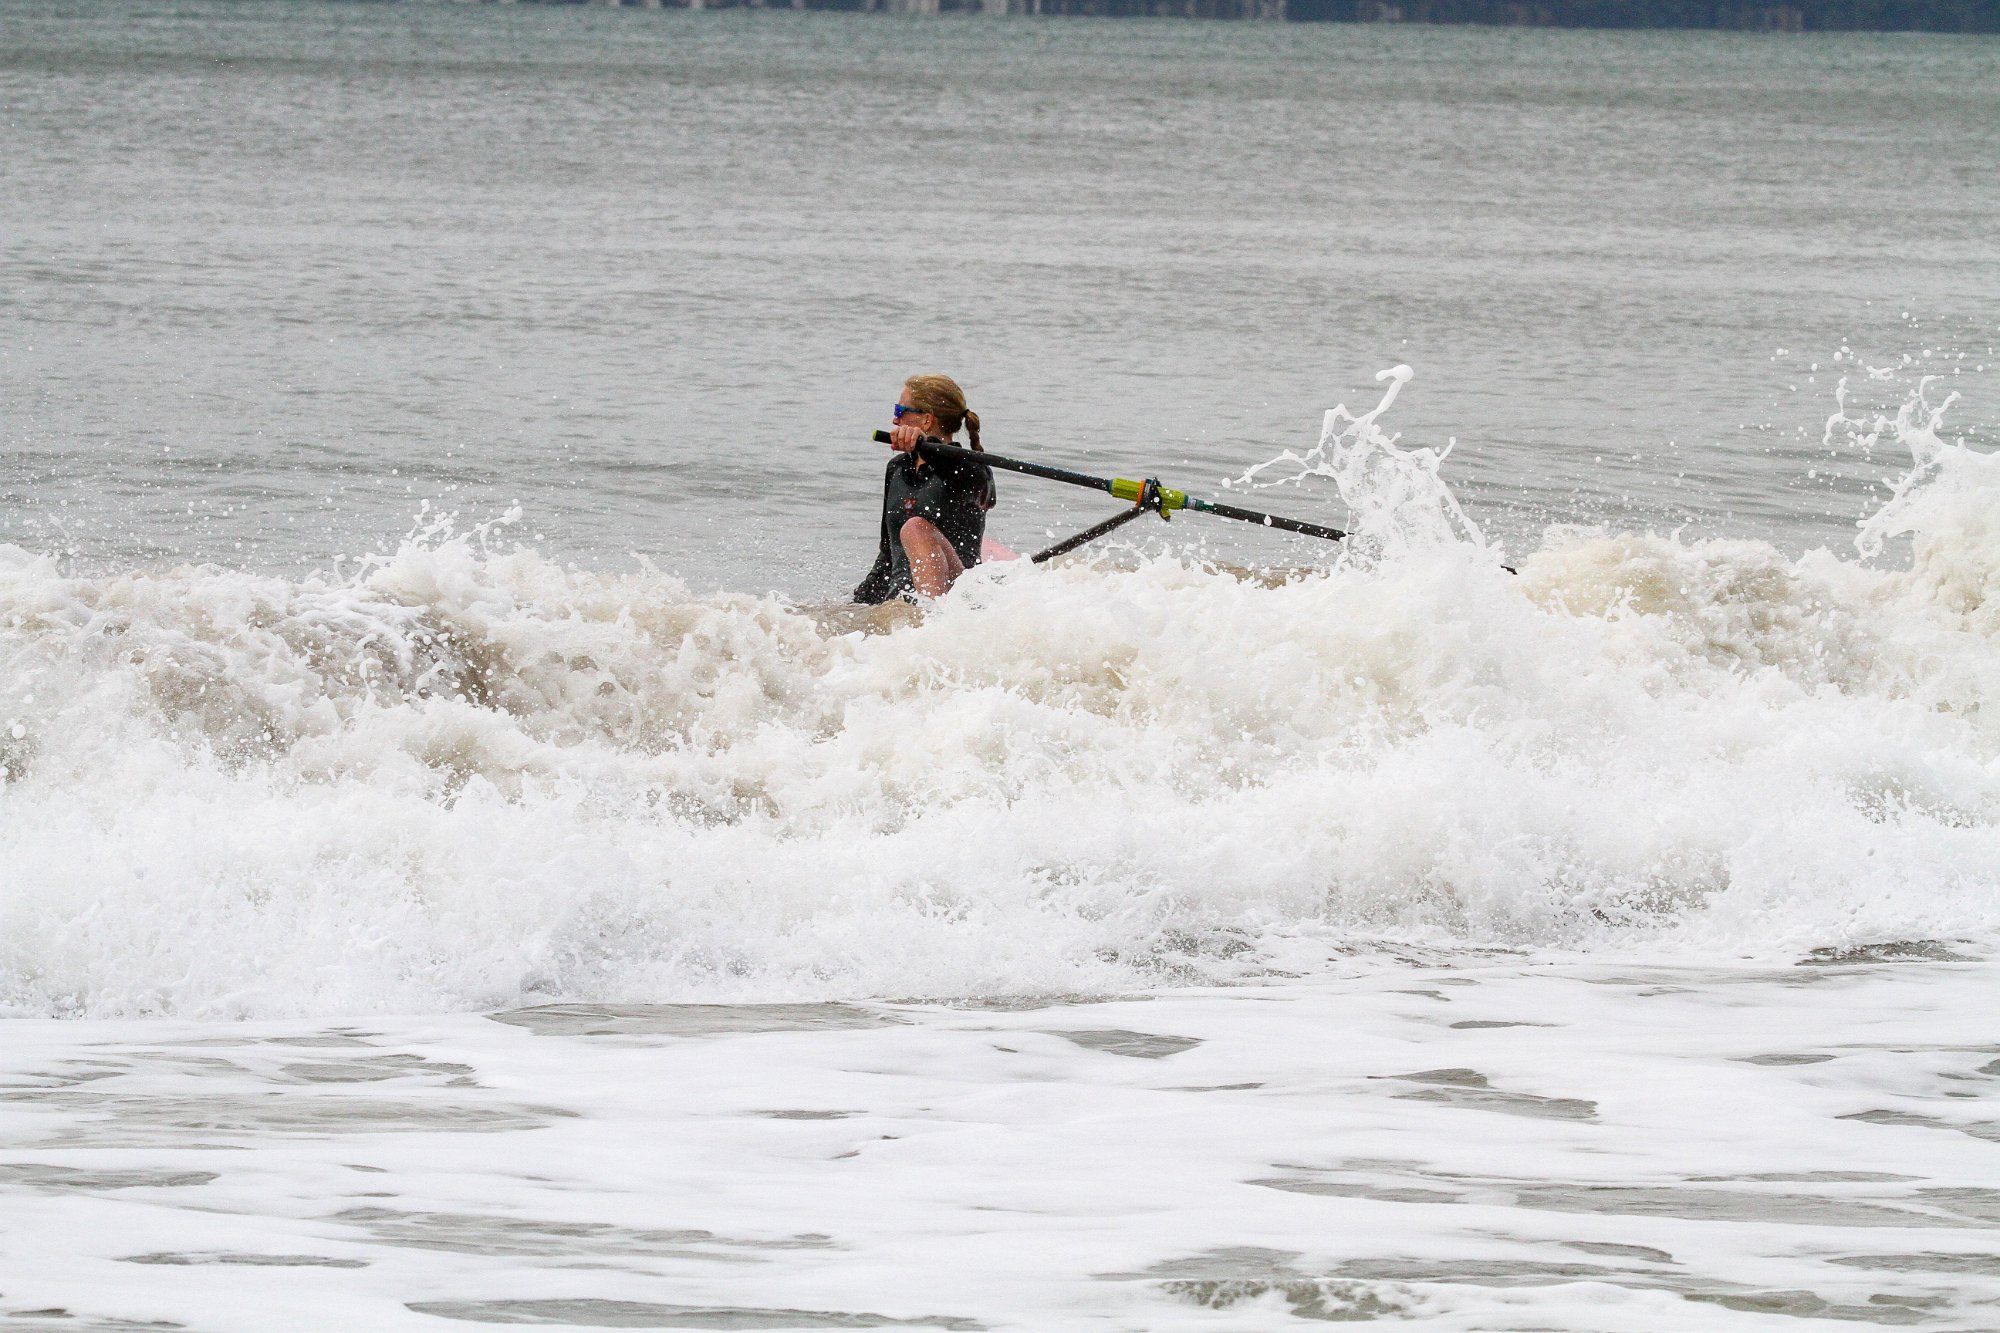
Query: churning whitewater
[[465, 776]]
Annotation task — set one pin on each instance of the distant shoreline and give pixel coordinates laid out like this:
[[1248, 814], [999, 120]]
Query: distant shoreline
[[1941, 16]]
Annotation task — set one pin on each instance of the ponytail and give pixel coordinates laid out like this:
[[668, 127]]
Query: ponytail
[[942, 398]]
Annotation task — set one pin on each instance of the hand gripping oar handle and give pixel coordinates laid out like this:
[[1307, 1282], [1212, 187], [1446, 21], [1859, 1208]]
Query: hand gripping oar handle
[[1122, 487]]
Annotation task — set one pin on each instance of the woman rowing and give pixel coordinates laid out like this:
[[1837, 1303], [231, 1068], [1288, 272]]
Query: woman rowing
[[933, 507]]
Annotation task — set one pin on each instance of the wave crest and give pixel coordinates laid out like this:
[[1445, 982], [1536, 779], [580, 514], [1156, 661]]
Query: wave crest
[[467, 776]]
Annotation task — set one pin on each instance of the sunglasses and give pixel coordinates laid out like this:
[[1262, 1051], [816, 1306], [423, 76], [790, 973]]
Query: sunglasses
[[901, 410]]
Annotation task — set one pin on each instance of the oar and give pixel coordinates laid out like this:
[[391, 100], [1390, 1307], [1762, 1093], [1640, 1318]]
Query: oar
[[1151, 494]]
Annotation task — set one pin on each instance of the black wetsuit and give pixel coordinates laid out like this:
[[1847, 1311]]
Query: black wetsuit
[[953, 493]]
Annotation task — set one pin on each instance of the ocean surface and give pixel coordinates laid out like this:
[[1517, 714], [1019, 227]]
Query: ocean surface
[[462, 861]]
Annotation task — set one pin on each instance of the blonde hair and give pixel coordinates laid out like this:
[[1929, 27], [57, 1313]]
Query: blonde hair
[[940, 396]]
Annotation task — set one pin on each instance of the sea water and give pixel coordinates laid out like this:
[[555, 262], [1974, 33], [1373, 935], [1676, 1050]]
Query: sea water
[[462, 862]]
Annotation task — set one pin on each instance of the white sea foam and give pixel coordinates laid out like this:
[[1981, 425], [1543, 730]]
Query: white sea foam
[[466, 776], [1473, 1145]]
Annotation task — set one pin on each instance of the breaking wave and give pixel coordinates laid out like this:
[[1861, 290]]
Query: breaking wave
[[466, 776]]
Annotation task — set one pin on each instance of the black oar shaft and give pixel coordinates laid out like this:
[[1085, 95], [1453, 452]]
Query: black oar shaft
[[1110, 485], [1089, 534], [1042, 470], [1265, 520]]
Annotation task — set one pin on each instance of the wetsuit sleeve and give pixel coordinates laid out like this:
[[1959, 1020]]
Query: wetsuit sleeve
[[874, 586], [963, 475]]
